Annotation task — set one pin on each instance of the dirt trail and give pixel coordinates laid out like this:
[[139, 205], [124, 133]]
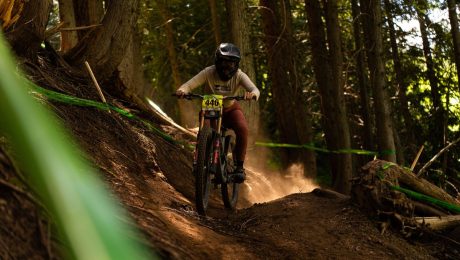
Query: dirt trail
[[152, 178]]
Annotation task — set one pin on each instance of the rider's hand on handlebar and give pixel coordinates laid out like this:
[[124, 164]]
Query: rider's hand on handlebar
[[180, 93], [250, 96]]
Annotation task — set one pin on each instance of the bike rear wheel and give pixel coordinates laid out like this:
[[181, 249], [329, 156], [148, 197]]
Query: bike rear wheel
[[229, 190], [202, 170]]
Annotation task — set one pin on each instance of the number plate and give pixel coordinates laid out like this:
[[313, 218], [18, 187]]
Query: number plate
[[212, 102]]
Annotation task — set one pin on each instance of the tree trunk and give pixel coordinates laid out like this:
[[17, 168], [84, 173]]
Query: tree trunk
[[436, 127], [401, 85], [215, 22], [236, 13], [327, 65], [373, 41], [292, 117], [455, 35], [105, 46], [187, 112], [28, 33], [131, 74], [363, 80], [88, 12], [67, 15]]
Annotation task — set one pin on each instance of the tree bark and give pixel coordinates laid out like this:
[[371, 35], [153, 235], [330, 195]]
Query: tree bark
[[67, 15], [455, 35], [187, 112], [215, 21], [374, 45], [28, 33], [400, 83], [104, 48], [363, 79], [131, 74], [88, 12], [292, 116], [237, 15], [327, 65], [436, 127]]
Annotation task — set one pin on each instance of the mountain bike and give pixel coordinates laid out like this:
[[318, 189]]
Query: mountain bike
[[213, 156]]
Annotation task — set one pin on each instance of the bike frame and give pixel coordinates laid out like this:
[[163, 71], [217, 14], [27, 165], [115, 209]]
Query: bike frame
[[210, 155], [218, 162]]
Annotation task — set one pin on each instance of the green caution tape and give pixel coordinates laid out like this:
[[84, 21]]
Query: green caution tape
[[56, 96], [422, 197], [324, 150]]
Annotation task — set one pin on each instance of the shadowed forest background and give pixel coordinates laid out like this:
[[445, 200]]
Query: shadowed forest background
[[380, 77], [342, 82]]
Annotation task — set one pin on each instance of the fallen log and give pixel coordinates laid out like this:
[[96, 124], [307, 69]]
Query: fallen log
[[395, 195], [439, 223], [424, 210], [394, 175], [421, 197], [327, 193], [423, 186]]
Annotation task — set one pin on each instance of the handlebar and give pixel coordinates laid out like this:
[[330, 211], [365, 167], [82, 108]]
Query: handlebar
[[197, 96]]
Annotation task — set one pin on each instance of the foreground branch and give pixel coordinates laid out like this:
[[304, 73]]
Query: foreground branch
[[439, 223], [428, 164]]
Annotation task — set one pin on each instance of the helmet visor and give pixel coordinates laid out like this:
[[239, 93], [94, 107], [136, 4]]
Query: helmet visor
[[229, 65], [227, 68]]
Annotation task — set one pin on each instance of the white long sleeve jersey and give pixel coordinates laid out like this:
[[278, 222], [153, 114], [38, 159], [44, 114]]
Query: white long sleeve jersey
[[214, 85]]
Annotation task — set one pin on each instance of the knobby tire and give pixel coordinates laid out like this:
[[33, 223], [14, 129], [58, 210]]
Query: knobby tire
[[229, 190], [202, 173]]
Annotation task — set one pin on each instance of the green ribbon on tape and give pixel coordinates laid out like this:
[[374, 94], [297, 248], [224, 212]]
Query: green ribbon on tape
[[324, 150], [56, 96]]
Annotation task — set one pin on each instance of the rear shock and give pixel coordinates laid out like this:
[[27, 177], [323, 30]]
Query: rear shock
[[215, 157]]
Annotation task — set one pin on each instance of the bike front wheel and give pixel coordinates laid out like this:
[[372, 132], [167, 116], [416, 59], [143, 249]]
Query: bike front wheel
[[230, 189], [202, 170]]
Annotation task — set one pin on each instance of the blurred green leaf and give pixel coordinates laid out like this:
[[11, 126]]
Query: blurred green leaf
[[85, 212]]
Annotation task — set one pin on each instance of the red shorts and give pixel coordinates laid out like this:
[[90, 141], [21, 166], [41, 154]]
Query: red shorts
[[234, 119]]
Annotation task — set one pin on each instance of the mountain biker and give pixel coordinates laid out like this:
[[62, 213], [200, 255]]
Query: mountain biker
[[225, 78]]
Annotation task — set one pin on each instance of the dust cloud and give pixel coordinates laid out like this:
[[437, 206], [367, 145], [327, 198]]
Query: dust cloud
[[262, 186]]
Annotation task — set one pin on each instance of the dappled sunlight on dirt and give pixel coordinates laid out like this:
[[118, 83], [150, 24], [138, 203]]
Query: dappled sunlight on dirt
[[188, 228]]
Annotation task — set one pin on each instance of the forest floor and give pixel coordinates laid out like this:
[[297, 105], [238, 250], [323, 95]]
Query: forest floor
[[277, 218]]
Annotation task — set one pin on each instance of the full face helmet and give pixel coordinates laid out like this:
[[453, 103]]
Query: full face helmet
[[227, 60]]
